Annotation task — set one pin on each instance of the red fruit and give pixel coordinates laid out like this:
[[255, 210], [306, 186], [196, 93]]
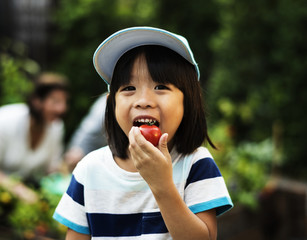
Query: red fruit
[[151, 133]]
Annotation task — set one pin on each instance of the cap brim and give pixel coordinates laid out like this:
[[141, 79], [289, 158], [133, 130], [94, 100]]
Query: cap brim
[[110, 50]]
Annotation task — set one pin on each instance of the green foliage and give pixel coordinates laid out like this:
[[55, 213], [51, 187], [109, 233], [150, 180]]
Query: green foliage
[[14, 85], [246, 167], [196, 20], [7, 204], [15, 70], [30, 221], [249, 166], [259, 76], [34, 220]]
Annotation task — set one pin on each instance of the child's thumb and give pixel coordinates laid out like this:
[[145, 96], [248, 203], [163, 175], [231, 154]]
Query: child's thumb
[[163, 143]]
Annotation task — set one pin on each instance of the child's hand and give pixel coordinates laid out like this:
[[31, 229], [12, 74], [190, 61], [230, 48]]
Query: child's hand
[[154, 164]]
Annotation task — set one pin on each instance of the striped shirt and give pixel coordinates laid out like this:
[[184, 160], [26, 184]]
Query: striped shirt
[[110, 203]]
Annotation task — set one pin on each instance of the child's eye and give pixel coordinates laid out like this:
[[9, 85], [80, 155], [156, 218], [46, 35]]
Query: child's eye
[[128, 88], [162, 87]]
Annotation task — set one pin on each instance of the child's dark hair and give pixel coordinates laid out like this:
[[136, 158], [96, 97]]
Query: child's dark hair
[[165, 66]]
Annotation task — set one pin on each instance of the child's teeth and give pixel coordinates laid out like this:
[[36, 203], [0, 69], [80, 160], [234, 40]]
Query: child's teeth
[[146, 120]]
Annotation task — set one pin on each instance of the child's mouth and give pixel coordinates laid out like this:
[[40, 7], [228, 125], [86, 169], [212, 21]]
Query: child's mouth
[[145, 121]]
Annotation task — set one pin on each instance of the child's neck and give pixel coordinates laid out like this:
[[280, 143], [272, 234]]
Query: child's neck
[[125, 164]]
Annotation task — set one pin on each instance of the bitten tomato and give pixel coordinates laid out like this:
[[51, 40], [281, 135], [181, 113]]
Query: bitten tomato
[[151, 133]]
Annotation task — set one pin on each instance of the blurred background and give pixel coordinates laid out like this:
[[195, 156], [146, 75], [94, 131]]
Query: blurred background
[[253, 60]]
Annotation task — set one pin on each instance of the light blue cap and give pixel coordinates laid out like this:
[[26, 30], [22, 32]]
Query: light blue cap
[[110, 50]]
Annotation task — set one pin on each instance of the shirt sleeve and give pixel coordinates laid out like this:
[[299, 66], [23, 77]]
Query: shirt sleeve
[[71, 209], [205, 187]]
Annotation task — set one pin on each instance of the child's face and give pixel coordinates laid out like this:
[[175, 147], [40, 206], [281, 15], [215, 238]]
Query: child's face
[[144, 99]]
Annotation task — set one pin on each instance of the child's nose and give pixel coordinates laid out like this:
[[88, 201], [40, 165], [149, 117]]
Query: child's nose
[[145, 99]]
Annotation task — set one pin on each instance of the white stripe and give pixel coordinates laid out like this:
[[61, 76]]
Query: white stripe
[[205, 190], [104, 180], [120, 202], [72, 211]]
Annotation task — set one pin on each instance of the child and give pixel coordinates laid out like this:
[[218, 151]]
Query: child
[[132, 189]]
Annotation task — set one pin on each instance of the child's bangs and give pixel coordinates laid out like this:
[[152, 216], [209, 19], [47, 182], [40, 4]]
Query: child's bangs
[[167, 67], [122, 71], [164, 65]]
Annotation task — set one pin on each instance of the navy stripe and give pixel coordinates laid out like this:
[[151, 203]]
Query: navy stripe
[[153, 223], [76, 191], [120, 225], [203, 169]]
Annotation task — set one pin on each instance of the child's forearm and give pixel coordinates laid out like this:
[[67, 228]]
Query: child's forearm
[[72, 235], [180, 221]]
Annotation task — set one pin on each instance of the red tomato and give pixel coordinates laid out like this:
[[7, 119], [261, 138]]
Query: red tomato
[[151, 133]]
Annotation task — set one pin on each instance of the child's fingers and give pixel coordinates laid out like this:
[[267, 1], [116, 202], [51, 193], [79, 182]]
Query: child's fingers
[[142, 150], [135, 137], [163, 143], [138, 144], [163, 140]]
